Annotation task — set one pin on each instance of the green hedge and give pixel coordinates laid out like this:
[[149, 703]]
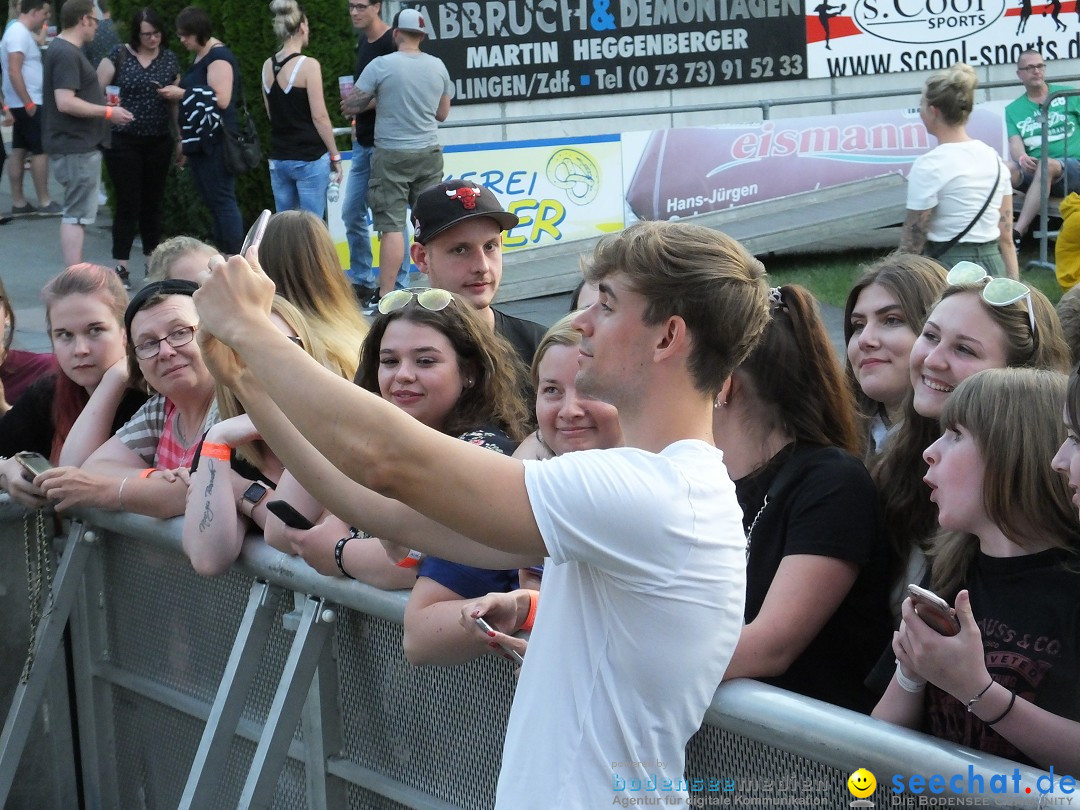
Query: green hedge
[[245, 26]]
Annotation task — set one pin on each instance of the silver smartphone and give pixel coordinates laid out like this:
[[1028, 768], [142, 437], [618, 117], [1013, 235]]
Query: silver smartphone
[[487, 628], [934, 610], [255, 233]]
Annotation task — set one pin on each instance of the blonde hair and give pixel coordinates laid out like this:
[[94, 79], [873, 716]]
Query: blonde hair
[[299, 255], [561, 333], [168, 252], [1014, 417], [287, 18], [255, 453], [952, 92]]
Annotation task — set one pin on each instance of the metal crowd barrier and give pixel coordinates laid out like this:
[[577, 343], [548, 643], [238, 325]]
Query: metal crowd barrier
[[273, 686]]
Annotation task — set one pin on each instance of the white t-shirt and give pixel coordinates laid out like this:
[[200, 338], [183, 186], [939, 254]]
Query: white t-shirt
[[18, 39], [955, 179], [640, 612]]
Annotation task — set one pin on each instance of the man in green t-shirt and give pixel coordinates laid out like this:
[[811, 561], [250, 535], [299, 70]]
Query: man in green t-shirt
[[1024, 127]]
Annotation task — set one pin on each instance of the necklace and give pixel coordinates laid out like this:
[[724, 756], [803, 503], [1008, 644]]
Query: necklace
[[753, 523]]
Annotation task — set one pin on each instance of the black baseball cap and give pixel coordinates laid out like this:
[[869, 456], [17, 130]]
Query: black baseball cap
[[445, 205]]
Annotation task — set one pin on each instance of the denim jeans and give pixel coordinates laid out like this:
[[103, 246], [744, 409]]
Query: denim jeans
[[354, 214], [218, 191], [300, 184]]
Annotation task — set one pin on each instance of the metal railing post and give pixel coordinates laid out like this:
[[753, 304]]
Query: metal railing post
[[243, 665], [47, 641], [316, 622]]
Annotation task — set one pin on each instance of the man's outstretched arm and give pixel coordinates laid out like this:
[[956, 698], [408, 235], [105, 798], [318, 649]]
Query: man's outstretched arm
[[473, 491]]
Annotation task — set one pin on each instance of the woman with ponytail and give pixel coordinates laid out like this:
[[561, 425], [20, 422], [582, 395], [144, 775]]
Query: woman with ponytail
[[816, 610], [303, 155]]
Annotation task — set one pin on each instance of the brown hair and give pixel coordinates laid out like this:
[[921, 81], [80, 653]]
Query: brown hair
[[1013, 415], [910, 517], [697, 274], [795, 376], [495, 397], [915, 282]]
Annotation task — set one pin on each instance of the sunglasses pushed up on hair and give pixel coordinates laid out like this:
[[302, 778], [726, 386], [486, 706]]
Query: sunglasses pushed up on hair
[[430, 298], [997, 292]]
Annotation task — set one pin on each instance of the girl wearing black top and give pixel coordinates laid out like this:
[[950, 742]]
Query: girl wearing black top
[[210, 85], [303, 156], [138, 160], [84, 309], [816, 604]]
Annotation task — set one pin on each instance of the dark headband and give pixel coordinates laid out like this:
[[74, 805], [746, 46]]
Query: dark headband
[[170, 286]]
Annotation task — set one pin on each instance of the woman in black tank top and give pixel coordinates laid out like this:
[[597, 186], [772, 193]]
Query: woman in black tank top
[[303, 156]]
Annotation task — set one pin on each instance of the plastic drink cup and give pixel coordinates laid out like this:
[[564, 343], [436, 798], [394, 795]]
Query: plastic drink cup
[[112, 95], [345, 85]]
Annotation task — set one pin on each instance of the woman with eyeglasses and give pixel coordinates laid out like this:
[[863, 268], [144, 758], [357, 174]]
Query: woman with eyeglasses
[[143, 467], [1002, 678], [235, 474], [972, 327], [431, 355], [303, 155], [88, 397], [959, 202], [139, 157]]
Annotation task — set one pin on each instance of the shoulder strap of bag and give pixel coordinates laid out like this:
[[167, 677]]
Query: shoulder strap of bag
[[948, 245]]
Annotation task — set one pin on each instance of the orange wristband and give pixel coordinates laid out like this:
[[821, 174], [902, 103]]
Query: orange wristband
[[148, 472], [534, 600], [30, 106], [410, 560], [222, 452], [108, 113]]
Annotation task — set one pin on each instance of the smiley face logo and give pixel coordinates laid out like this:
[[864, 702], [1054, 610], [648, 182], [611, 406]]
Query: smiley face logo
[[861, 783]]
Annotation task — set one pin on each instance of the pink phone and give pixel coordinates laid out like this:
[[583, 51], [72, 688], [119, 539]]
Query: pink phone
[[934, 610]]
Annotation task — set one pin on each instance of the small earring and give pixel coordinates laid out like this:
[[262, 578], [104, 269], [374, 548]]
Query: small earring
[[468, 382], [719, 404]]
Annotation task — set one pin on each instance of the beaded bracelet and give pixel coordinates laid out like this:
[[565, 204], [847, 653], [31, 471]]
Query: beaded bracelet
[[339, 550]]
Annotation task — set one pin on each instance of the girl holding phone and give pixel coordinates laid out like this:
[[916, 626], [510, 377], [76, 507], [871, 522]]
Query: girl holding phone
[[84, 313], [965, 332], [1007, 559]]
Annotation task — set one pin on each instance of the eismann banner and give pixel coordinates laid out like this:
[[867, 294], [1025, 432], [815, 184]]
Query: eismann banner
[[512, 50], [869, 37]]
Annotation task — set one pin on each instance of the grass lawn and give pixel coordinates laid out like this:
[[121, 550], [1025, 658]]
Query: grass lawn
[[829, 276]]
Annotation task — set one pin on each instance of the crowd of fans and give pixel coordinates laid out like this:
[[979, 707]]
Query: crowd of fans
[[938, 457]]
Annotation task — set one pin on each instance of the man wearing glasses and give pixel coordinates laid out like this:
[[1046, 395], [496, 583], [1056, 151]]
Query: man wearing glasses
[[375, 38], [76, 124], [1024, 128]]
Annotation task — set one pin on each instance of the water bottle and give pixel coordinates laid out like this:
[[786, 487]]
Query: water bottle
[[333, 191]]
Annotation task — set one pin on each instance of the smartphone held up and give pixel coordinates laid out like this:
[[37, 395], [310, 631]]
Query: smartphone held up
[[934, 610]]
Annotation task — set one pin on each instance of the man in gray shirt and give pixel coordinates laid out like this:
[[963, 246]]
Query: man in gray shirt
[[76, 123], [413, 92]]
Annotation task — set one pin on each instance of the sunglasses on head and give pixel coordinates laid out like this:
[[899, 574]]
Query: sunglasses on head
[[997, 292], [431, 299]]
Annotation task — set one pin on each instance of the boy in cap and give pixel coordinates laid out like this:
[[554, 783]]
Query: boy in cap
[[458, 229]]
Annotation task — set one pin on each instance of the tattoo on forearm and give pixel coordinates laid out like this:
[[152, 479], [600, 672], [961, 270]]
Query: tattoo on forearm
[[208, 513]]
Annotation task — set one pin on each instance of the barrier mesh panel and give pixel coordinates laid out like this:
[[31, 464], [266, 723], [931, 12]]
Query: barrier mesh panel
[[741, 770], [422, 726]]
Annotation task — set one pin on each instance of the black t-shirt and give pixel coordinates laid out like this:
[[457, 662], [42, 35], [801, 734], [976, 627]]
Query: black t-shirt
[[826, 505], [523, 335], [366, 52], [29, 425], [1028, 609]]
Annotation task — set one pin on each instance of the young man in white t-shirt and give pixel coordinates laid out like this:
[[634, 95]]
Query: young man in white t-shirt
[[644, 587]]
